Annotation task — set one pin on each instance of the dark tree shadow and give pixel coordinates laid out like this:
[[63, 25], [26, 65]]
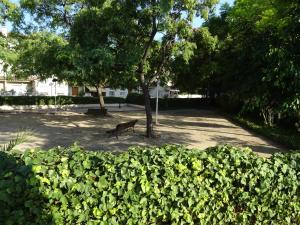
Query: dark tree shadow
[[186, 127], [20, 202]]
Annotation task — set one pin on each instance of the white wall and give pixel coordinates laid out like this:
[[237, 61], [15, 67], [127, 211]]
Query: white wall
[[17, 88], [47, 88], [190, 96], [4, 31], [162, 92], [2, 73], [1, 86], [116, 92]]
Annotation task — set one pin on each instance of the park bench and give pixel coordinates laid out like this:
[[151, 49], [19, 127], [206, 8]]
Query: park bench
[[122, 127]]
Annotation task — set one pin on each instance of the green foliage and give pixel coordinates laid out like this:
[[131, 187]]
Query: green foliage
[[49, 100], [196, 73], [8, 11], [266, 35], [44, 55], [115, 42], [255, 58], [20, 201], [166, 185]]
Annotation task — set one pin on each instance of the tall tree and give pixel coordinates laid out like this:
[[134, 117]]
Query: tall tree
[[257, 58], [168, 21], [266, 36], [134, 28]]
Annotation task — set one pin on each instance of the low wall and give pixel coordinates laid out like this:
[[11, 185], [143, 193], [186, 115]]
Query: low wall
[[45, 107]]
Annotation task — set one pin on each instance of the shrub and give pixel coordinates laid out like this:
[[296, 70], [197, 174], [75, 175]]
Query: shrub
[[166, 185], [50, 100]]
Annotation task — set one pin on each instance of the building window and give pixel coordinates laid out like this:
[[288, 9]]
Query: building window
[[111, 93], [122, 93]]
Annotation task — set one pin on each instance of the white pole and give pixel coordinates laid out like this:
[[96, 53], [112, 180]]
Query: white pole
[[55, 97], [156, 112]]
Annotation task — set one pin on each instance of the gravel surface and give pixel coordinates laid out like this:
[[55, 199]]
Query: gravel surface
[[193, 128]]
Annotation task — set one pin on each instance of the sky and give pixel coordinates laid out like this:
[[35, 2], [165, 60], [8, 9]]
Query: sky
[[197, 21]]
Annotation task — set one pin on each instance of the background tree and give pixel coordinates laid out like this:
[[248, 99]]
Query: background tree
[[8, 12], [94, 52], [42, 54], [255, 59], [263, 34], [82, 51], [195, 76]]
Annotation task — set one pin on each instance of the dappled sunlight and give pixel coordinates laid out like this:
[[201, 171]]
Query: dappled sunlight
[[193, 128]]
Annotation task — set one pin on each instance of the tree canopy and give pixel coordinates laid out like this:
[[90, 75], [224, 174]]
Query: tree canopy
[[256, 58], [117, 42]]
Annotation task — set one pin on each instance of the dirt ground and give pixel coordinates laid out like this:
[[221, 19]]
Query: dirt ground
[[193, 128]]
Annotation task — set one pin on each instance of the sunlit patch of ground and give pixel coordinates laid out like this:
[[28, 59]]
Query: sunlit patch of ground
[[193, 128]]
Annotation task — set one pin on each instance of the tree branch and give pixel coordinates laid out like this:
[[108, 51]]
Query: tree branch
[[165, 58], [147, 49]]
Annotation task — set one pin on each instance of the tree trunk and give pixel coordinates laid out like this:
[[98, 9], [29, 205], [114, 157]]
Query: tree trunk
[[149, 131], [141, 76], [268, 116], [101, 99]]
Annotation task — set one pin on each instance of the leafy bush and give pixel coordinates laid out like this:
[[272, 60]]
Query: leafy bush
[[60, 100], [167, 185], [169, 103]]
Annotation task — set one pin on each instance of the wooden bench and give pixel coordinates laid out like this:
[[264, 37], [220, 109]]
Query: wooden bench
[[122, 127]]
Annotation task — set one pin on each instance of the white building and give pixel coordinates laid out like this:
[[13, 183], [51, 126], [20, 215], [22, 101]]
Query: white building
[[108, 92], [31, 86], [50, 88], [122, 93], [3, 31], [163, 92]]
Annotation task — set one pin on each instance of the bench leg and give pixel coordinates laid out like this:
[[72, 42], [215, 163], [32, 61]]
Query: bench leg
[[133, 130]]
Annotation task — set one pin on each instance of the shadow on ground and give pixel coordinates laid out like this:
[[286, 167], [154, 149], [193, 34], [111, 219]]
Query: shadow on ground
[[194, 128]]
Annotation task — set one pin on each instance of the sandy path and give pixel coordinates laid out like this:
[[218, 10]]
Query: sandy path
[[194, 128]]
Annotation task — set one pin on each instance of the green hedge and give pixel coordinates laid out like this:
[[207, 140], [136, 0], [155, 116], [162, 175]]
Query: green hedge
[[167, 185], [169, 103], [60, 100], [135, 98]]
